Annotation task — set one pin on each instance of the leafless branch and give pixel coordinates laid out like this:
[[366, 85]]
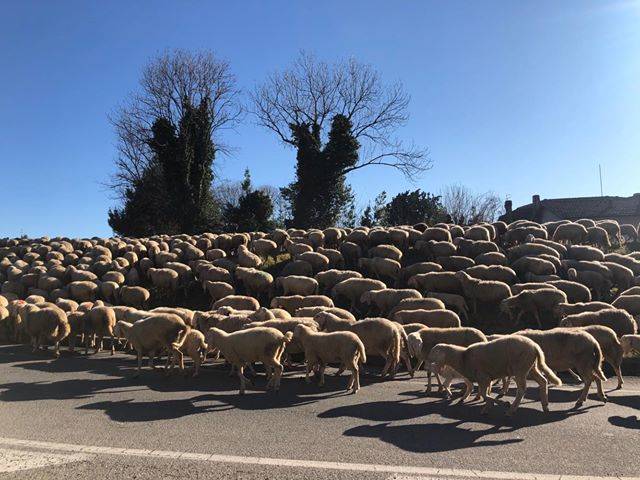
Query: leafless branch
[[312, 92], [466, 207], [164, 85]]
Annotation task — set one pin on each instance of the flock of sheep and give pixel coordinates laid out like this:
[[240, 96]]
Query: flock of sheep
[[457, 300]]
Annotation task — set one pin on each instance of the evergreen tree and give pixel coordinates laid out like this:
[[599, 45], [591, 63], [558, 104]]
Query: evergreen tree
[[253, 212], [409, 208], [366, 220]]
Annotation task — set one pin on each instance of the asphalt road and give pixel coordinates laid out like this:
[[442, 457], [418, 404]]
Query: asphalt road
[[201, 428]]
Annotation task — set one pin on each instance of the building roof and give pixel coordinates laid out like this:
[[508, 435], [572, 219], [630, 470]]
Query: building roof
[[581, 207]]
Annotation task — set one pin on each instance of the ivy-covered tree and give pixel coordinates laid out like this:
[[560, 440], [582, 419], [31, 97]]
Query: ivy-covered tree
[[327, 112], [409, 208], [174, 194], [320, 195], [253, 211]]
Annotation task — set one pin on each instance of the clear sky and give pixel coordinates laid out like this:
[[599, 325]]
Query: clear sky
[[517, 97]]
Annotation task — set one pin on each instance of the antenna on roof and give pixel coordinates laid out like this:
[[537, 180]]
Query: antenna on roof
[[600, 172]]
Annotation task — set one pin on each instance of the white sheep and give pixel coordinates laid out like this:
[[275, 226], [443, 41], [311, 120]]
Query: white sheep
[[260, 344], [485, 362], [618, 320], [571, 349], [387, 299], [379, 336], [237, 302], [330, 278], [256, 282], [430, 318], [195, 346], [630, 303], [297, 285], [98, 322], [353, 288], [45, 324], [454, 302], [486, 291], [136, 297], [321, 348], [153, 334], [532, 302], [430, 337]]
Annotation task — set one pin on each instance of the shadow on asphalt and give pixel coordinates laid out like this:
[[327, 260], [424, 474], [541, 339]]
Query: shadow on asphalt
[[632, 422], [215, 391], [214, 380], [440, 437]]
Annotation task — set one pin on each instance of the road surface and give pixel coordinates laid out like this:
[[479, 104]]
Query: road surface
[[86, 417]]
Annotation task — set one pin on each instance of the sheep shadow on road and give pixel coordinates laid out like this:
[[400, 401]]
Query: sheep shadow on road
[[632, 421], [422, 436]]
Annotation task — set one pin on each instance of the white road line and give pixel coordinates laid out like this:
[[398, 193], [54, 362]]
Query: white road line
[[15, 460], [402, 472]]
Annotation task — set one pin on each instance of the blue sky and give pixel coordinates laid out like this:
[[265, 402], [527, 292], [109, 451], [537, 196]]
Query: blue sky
[[514, 97]]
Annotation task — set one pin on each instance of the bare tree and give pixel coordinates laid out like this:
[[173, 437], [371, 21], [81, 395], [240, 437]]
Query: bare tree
[[227, 191], [168, 83], [312, 92], [281, 208], [466, 207]]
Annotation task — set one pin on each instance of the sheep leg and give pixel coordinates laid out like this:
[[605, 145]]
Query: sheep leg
[[269, 374], [86, 344], [350, 382], [544, 387], [536, 315], [137, 374], [618, 371], [242, 379], [601, 395], [440, 385], [484, 388], [310, 365], [387, 366], [98, 344], [447, 383], [505, 386], [407, 364], [180, 358], [519, 317], [521, 383], [465, 314], [468, 388], [196, 364], [588, 378], [152, 355], [113, 345], [277, 375], [172, 359], [321, 371], [356, 376], [575, 376], [428, 390]]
